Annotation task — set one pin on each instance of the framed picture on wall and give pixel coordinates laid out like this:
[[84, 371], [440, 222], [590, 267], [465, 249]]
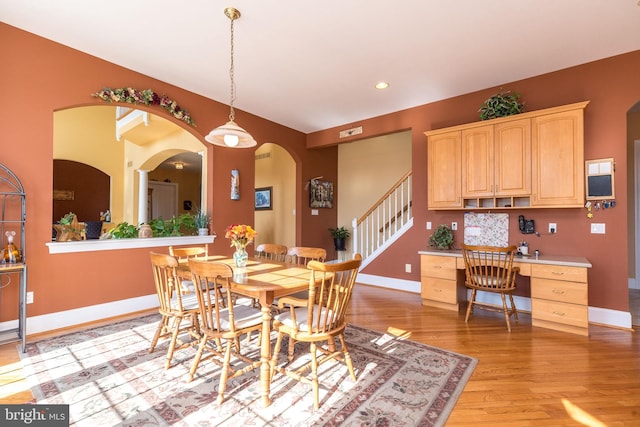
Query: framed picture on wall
[[263, 198], [320, 194]]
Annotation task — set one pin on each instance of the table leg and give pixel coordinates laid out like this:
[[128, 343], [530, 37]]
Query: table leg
[[265, 353]]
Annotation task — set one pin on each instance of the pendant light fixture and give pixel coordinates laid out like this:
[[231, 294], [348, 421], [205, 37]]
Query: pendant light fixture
[[230, 134]]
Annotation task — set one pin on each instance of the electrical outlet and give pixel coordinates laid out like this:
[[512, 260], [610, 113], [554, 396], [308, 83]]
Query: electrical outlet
[[597, 228], [454, 226], [428, 225], [30, 297], [407, 268], [553, 227]]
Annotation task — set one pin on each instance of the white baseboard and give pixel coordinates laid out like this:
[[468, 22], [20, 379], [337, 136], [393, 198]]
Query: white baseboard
[[65, 319], [389, 282], [602, 316]]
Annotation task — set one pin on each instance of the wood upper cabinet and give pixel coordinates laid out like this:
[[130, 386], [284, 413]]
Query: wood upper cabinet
[[558, 159], [496, 160], [478, 172], [534, 159], [443, 169], [512, 157]]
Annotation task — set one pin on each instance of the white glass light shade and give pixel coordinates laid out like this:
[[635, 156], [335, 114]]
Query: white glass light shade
[[231, 135]]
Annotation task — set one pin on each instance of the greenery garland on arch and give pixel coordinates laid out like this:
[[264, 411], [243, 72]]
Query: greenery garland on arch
[[147, 97]]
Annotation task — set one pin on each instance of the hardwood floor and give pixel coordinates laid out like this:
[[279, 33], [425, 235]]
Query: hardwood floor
[[529, 377]]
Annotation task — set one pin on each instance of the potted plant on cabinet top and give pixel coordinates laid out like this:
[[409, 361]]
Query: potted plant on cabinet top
[[340, 236], [505, 103], [442, 237], [202, 221]]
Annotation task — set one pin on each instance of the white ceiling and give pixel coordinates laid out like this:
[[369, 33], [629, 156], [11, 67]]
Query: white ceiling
[[311, 65]]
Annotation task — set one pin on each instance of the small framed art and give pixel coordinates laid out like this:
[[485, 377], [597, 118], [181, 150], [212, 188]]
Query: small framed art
[[263, 198]]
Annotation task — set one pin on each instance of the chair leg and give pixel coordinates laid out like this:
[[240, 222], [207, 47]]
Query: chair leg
[[470, 305], [292, 345], [274, 356], [514, 310], [172, 344], [314, 375], [347, 357], [162, 327], [224, 373], [505, 309], [196, 359]]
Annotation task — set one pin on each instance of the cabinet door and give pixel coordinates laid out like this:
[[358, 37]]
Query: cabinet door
[[443, 171], [477, 162], [512, 158], [558, 159]]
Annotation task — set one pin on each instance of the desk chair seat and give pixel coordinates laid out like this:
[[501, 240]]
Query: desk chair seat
[[490, 269]]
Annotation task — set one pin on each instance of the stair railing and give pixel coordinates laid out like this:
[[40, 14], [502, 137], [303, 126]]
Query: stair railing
[[389, 215]]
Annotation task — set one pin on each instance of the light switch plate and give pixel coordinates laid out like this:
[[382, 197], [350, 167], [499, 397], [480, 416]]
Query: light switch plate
[[597, 228]]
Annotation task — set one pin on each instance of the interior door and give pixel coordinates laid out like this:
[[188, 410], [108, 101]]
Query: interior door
[[164, 199]]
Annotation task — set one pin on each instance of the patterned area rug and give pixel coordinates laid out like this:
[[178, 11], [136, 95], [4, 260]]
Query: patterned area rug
[[108, 378]]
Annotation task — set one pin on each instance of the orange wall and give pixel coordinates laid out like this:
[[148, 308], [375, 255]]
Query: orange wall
[[42, 77], [613, 87]]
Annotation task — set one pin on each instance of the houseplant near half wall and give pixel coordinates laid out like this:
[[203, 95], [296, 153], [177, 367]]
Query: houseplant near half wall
[[340, 236]]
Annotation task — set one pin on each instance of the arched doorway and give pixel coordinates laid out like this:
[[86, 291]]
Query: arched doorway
[[275, 169]]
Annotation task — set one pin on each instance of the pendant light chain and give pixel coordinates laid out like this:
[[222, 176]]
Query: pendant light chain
[[232, 114]]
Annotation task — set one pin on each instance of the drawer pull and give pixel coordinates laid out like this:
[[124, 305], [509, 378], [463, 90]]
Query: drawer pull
[[558, 291], [558, 313], [437, 266], [437, 290], [557, 273]]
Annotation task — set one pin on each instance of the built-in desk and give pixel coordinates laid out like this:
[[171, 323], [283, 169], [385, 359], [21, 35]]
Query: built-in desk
[[559, 288]]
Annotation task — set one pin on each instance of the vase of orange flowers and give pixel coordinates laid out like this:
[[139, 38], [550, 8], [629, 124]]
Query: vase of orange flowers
[[240, 235]]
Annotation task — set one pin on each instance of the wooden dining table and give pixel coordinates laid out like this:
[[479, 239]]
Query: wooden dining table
[[265, 281]]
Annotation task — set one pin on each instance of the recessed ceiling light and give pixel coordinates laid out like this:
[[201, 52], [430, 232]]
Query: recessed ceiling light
[[382, 85]]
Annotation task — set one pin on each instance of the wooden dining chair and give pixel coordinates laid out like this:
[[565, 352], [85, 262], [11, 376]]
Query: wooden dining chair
[[271, 252], [186, 253], [175, 307], [302, 255], [490, 269], [222, 325], [317, 319]]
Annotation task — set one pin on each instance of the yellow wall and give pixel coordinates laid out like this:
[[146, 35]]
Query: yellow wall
[[275, 168], [366, 170]]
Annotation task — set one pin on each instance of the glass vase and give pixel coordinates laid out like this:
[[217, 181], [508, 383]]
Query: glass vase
[[240, 257]]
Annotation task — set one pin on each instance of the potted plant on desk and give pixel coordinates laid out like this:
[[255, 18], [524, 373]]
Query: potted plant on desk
[[340, 236], [442, 237]]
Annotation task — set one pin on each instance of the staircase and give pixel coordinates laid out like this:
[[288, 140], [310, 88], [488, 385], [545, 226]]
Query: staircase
[[387, 220]]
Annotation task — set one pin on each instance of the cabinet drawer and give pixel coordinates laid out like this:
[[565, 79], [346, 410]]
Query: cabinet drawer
[[558, 272], [439, 290], [557, 290], [560, 312], [442, 267]]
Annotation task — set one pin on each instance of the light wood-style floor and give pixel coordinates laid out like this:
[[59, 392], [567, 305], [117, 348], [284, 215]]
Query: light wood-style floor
[[529, 377]]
